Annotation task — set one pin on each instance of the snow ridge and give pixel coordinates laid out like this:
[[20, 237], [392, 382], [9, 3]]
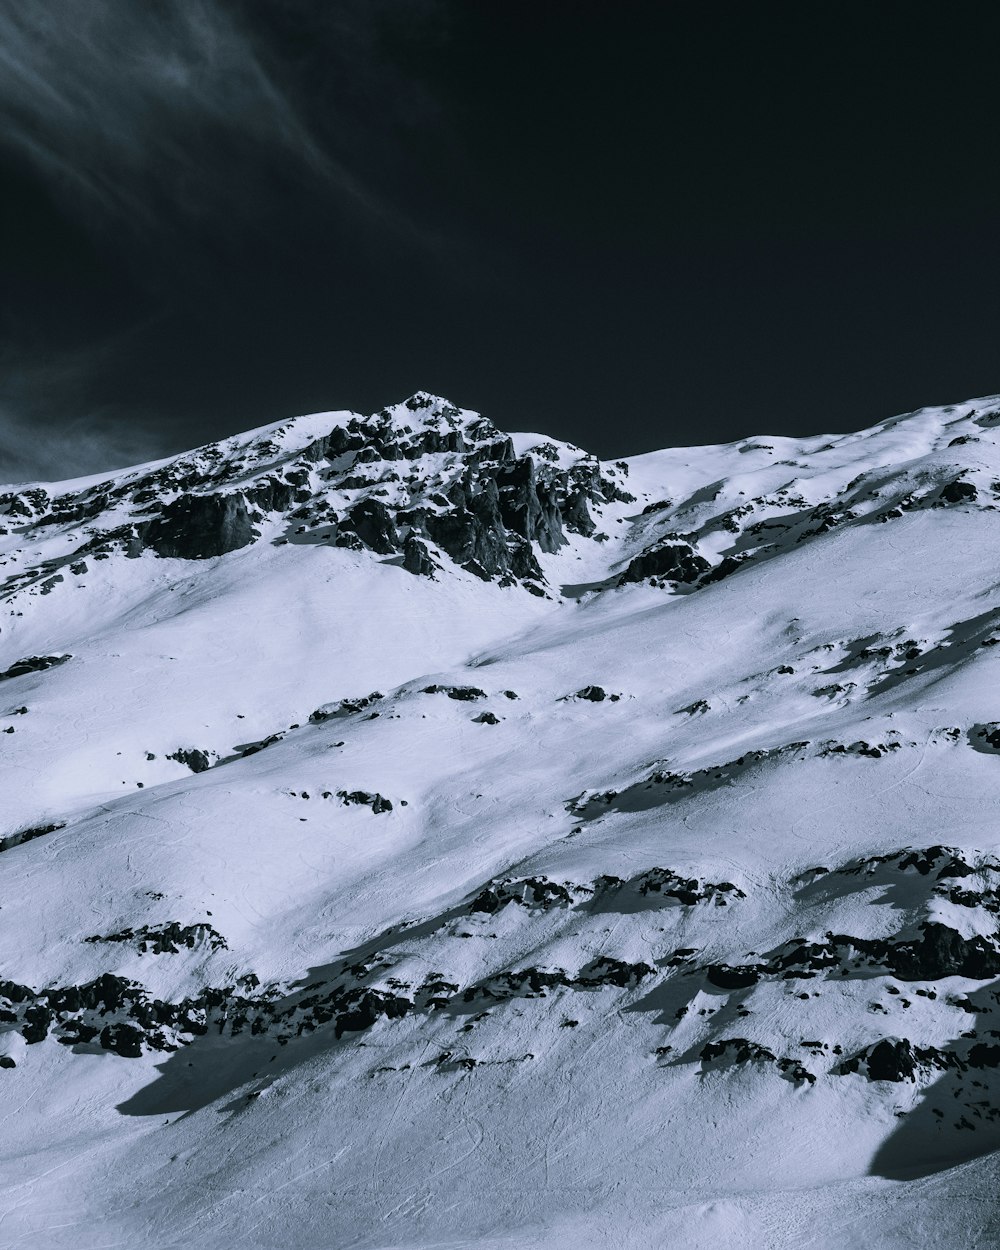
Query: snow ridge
[[503, 842]]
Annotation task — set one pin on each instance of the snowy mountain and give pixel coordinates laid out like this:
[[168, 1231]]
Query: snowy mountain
[[419, 835]]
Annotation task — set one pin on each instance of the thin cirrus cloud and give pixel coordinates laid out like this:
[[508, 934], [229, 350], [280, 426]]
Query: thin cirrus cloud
[[226, 160], [159, 112], [50, 429], [91, 443]]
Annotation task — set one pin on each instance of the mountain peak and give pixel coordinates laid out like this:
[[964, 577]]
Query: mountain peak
[[381, 769]]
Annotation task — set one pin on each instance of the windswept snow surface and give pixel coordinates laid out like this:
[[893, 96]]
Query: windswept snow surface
[[418, 837]]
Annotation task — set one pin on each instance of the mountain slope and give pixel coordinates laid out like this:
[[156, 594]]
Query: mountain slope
[[416, 834]]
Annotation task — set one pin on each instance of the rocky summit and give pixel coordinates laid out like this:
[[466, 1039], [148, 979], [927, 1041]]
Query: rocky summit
[[416, 834]]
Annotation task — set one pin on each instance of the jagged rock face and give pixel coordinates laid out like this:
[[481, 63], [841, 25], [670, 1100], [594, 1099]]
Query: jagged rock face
[[374, 526], [529, 507], [402, 482], [488, 512], [196, 527]]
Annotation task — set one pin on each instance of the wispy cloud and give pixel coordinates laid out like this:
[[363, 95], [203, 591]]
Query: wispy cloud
[[234, 165], [36, 451], [50, 429], [143, 110]]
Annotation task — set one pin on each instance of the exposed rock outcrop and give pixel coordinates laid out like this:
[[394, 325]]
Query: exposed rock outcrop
[[677, 562], [197, 527]]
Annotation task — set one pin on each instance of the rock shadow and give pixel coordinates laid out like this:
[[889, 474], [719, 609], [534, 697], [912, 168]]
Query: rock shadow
[[957, 1117]]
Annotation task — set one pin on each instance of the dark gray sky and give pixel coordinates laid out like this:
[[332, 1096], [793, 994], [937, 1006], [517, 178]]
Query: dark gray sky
[[627, 225]]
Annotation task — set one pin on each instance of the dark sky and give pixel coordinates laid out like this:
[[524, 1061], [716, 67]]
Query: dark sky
[[627, 225]]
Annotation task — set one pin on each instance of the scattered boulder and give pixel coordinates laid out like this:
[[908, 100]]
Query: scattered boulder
[[736, 1050], [346, 707], [123, 1039], [252, 748], [959, 492], [594, 694], [197, 761], [738, 978], [531, 892], [891, 1059], [686, 890], [377, 802], [677, 562], [37, 1019], [33, 664], [465, 694], [416, 558]]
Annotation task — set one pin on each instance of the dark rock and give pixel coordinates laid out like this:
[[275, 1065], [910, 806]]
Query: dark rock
[[943, 952], [796, 1071], [891, 1059], [469, 540], [465, 694], [346, 707], [959, 492], [687, 891], [166, 938], [416, 558], [123, 1039], [739, 978], [678, 562], [77, 1032], [528, 506], [251, 748], [273, 494], [533, 892], [984, 1055], [725, 568], [198, 527], [27, 835], [990, 734], [372, 521], [362, 798], [368, 1008], [15, 993], [608, 971], [507, 985], [736, 1050], [576, 514], [197, 761], [33, 664], [37, 1020], [522, 559]]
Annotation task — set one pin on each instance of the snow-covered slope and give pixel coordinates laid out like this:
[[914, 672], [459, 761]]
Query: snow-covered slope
[[415, 835]]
